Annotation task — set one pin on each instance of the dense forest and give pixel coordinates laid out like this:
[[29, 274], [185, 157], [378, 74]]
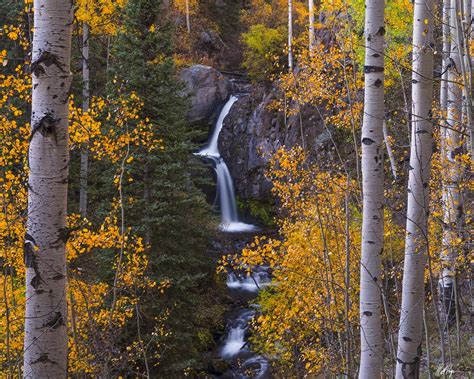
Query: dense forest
[[236, 188]]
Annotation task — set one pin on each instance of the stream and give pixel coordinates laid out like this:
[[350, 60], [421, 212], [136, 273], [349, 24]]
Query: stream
[[234, 347]]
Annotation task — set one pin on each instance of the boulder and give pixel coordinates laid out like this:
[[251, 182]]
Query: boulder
[[207, 88]]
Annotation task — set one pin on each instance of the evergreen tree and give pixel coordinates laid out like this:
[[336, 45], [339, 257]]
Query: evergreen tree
[[170, 211]]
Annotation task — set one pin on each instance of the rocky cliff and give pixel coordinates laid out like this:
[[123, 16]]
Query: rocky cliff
[[252, 131]]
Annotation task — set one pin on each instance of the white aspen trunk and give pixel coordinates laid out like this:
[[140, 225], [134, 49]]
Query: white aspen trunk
[[290, 35], [188, 21], [413, 294], [85, 108], [373, 189], [45, 343], [465, 36], [443, 97], [311, 25], [451, 147], [391, 157]]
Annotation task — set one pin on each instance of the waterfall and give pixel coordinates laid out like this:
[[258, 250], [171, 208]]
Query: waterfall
[[249, 282], [225, 186], [235, 347]]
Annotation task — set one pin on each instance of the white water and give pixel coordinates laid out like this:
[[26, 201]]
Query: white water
[[234, 343], [235, 339], [249, 282], [225, 186]]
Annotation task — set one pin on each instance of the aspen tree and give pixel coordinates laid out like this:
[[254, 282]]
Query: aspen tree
[[311, 25], [373, 190], [290, 35], [411, 315], [188, 22], [451, 148], [45, 343], [85, 108]]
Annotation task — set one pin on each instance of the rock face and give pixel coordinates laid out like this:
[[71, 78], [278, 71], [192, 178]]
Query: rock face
[[252, 133], [207, 88]]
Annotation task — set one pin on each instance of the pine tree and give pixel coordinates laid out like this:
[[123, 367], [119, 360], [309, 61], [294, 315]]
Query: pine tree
[[170, 211]]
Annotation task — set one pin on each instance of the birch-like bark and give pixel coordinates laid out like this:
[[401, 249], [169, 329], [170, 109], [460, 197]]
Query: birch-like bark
[[411, 315], [391, 157], [451, 148], [443, 97], [45, 343], [188, 21], [85, 108], [290, 35], [372, 188], [311, 25]]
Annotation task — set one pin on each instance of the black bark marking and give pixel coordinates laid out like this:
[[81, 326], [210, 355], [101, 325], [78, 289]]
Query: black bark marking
[[411, 370], [58, 277], [367, 313], [36, 281], [372, 69], [43, 358], [46, 59], [56, 321], [29, 255], [377, 83], [46, 126], [371, 242], [29, 247], [380, 32], [407, 339], [367, 141], [421, 131]]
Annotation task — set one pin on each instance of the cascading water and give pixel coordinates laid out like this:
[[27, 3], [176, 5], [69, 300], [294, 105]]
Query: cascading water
[[235, 347], [225, 186]]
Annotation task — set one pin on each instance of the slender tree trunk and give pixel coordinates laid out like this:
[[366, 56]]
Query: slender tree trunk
[[85, 108], [372, 188], [443, 98], [290, 35], [391, 157], [451, 148], [411, 315], [45, 344], [188, 21], [311, 25]]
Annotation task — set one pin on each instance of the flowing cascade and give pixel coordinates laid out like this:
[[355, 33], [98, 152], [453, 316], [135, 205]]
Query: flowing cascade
[[225, 186]]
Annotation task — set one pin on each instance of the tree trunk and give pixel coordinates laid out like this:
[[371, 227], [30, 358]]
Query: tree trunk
[[45, 344], [411, 315], [311, 25], [188, 21], [372, 188], [391, 157], [85, 108], [290, 35], [451, 148]]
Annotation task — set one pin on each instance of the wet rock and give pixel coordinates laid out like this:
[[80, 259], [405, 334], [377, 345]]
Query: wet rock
[[253, 132], [207, 88], [218, 366]]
